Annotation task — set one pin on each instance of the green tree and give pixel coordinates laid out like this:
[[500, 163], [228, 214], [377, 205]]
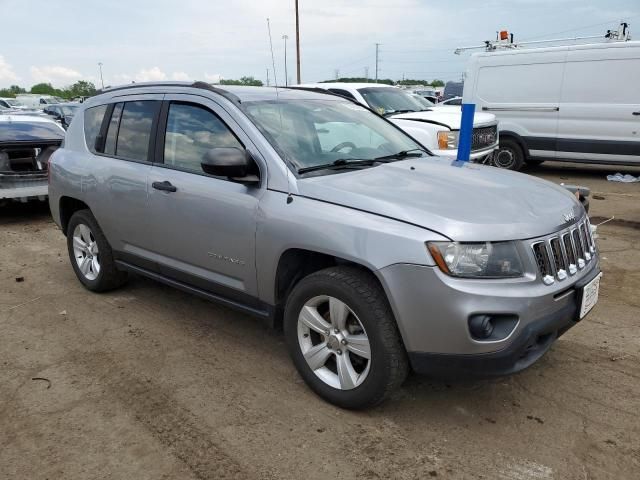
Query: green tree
[[249, 81], [437, 83], [81, 88], [12, 91], [44, 89]]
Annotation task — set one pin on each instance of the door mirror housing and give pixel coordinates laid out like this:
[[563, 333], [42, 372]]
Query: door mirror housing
[[231, 162]]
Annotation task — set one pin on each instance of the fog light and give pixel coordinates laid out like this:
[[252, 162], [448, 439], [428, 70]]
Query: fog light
[[480, 326]]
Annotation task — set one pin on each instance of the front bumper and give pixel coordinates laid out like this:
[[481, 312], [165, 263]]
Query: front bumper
[[433, 313], [475, 154]]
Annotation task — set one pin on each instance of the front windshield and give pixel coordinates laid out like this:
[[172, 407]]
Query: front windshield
[[308, 133], [68, 110], [13, 103], [388, 100], [422, 101]]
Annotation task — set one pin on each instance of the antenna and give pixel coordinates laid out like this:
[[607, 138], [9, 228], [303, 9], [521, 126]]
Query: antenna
[[273, 61]]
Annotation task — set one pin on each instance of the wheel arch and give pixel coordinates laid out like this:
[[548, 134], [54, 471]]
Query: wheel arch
[[295, 264], [509, 135], [69, 206]]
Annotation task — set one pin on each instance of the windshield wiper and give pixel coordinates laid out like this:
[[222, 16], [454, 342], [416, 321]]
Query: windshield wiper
[[414, 152], [343, 163], [397, 112]]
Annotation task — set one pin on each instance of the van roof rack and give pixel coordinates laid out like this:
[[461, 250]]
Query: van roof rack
[[198, 84], [504, 40]]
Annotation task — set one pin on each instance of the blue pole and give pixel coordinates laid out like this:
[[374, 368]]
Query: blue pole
[[466, 132]]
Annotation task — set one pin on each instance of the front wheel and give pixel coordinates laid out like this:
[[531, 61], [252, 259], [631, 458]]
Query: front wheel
[[343, 338], [509, 155]]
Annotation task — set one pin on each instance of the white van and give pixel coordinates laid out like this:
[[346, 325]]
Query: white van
[[34, 100], [551, 103]]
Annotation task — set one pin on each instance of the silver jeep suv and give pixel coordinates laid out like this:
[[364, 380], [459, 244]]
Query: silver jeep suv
[[315, 213]]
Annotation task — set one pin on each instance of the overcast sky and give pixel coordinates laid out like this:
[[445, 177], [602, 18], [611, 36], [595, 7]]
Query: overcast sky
[[62, 41]]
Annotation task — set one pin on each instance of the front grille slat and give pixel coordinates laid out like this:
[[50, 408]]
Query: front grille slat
[[484, 137], [562, 255]]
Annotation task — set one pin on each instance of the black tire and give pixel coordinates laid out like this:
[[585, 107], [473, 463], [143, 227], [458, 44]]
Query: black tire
[[509, 155], [360, 291], [109, 277]]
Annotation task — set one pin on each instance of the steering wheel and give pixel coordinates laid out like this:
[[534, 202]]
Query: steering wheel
[[342, 145]]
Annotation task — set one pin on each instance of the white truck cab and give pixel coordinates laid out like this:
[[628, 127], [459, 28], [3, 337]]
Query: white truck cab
[[436, 128]]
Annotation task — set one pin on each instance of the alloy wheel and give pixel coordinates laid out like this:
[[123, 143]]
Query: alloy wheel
[[334, 343], [85, 251]]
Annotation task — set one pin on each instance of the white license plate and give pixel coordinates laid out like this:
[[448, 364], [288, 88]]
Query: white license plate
[[590, 295]]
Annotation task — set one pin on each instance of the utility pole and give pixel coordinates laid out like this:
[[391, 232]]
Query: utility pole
[[366, 74], [286, 77], [337, 73], [267, 77], [298, 45], [377, 49], [101, 79]]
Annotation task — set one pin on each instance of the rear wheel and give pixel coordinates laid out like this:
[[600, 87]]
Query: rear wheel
[[343, 338], [509, 155], [91, 255]]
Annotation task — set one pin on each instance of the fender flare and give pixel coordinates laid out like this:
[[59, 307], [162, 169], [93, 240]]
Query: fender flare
[[518, 138]]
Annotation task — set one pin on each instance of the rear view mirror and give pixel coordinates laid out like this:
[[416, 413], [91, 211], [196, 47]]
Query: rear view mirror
[[231, 162]]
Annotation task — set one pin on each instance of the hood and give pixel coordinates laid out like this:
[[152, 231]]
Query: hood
[[464, 203], [449, 116]]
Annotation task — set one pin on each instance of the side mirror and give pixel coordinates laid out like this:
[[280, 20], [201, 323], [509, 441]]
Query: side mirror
[[231, 162]]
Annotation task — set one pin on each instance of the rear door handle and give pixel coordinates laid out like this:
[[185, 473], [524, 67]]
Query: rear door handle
[[636, 113], [164, 186]]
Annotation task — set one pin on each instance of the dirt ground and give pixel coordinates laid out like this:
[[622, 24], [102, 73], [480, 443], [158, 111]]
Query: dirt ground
[[151, 383]]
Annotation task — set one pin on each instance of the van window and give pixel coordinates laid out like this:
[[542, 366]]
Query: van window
[[618, 79], [532, 83], [92, 122], [191, 131], [135, 129]]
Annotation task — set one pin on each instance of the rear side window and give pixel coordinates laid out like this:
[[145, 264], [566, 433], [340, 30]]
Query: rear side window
[[92, 122], [134, 133], [112, 130], [342, 93]]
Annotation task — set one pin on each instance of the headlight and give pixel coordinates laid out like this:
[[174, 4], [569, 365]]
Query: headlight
[[477, 260], [447, 140]]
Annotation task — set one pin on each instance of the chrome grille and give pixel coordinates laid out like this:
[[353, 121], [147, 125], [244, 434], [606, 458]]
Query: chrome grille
[[484, 137], [564, 254]]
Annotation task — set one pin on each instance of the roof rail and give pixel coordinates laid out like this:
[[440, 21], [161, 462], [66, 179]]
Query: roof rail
[[198, 84], [504, 40]]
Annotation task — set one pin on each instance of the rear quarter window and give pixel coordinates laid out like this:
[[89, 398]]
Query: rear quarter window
[[92, 122]]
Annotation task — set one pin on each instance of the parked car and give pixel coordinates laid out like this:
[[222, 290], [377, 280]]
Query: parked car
[[62, 112], [455, 101], [11, 103], [436, 129], [34, 100], [315, 213], [544, 100], [26, 144], [431, 95]]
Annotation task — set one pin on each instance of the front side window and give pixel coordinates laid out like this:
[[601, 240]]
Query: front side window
[[389, 100], [92, 122], [134, 133], [343, 93], [313, 132], [192, 131]]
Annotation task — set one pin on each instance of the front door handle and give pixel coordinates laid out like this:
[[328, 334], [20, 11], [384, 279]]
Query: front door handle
[[164, 186], [636, 113]]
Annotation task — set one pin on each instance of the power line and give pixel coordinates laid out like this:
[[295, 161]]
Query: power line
[[576, 29]]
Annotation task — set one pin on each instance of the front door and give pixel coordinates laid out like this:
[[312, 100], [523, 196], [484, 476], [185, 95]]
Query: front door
[[204, 226]]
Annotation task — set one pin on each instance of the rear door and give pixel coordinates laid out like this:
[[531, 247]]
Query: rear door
[[600, 108], [205, 228], [119, 183]]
